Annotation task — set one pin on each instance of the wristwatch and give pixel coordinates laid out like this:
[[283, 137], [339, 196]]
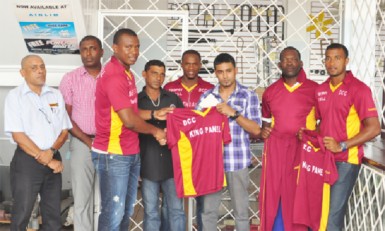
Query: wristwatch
[[343, 146], [235, 116], [54, 151]]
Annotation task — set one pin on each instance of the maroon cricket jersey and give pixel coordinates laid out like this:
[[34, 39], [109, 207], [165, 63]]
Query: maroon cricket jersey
[[317, 171], [196, 139]]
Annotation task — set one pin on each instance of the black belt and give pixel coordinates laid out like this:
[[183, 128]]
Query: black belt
[[91, 136]]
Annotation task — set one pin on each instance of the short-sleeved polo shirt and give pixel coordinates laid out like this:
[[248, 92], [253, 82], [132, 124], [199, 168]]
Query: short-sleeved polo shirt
[[115, 90], [342, 110], [290, 108], [189, 96]]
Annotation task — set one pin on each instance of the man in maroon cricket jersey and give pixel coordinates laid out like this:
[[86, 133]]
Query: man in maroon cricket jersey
[[287, 105], [189, 87], [348, 119]]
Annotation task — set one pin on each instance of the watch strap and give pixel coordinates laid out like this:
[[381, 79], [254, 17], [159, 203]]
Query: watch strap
[[54, 151], [343, 146], [235, 116]]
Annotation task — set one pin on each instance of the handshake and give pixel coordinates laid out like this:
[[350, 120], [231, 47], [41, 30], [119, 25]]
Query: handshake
[[161, 136]]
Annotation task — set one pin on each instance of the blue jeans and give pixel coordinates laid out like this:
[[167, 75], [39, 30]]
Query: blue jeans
[[118, 177], [199, 210], [164, 216], [175, 212], [339, 194]]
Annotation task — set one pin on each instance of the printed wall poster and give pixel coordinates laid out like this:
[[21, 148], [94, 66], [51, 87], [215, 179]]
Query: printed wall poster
[[47, 28]]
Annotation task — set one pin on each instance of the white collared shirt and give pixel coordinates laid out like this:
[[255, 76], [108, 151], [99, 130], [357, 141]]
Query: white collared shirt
[[42, 118]]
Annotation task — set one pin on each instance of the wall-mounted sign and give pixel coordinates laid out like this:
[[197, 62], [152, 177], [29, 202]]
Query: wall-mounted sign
[[47, 28]]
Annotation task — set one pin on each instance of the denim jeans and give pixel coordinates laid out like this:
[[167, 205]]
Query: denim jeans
[[339, 194], [118, 177], [164, 216], [150, 193]]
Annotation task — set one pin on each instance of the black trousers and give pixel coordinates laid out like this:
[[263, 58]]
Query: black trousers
[[28, 179]]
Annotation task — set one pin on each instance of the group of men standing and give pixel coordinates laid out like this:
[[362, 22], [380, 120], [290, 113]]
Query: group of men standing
[[120, 134]]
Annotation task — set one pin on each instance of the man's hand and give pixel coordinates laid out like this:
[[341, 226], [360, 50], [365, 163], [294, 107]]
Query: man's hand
[[160, 136], [161, 114], [56, 166], [88, 142], [225, 109], [265, 133], [331, 144], [44, 157]]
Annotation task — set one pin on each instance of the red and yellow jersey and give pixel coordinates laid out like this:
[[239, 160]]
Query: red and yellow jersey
[[287, 108], [341, 110], [290, 108], [115, 90], [317, 171], [189, 96], [278, 180], [196, 139]]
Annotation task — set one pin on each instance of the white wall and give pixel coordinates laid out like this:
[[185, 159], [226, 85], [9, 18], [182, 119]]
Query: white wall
[[13, 49]]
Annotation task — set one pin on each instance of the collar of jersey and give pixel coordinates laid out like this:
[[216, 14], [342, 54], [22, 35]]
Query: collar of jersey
[[128, 73], [315, 149], [292, 88], [203, 113], [333, 88], [189, 89]]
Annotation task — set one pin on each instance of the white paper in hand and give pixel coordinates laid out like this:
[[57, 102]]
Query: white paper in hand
[[209, 101]]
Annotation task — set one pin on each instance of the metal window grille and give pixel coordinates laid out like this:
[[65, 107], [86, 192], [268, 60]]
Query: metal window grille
[[254, 32]]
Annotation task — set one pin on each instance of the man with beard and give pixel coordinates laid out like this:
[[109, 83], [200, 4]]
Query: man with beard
[[241, 106], [287, 105]]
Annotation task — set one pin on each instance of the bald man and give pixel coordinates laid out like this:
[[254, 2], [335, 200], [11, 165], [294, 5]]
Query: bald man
[[36, 120]]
